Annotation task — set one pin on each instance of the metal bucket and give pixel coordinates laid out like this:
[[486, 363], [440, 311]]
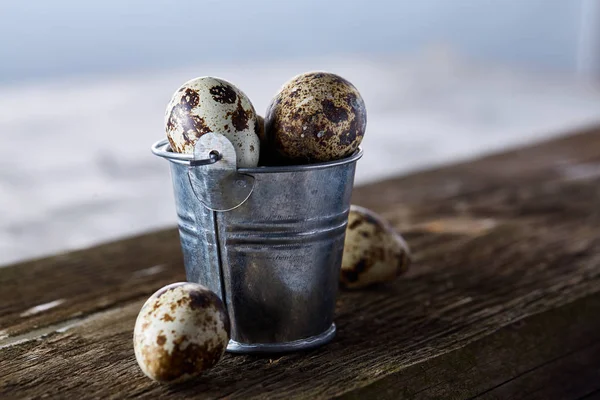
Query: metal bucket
[[268, 240]]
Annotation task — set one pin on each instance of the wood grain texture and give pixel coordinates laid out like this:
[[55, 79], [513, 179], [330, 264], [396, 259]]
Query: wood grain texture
[[506, 249], [87, 281], [529, 358]]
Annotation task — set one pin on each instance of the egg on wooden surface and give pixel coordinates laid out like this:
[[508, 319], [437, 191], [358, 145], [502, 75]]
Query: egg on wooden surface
[[208, 104], [316, 117], [373, 251], [182, 330]]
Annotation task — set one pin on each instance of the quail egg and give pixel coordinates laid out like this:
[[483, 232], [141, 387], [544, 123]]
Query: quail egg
[[208, 104], [316, 117], [373, 251], [181, 331]]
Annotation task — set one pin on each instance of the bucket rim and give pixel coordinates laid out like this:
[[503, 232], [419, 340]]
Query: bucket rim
[[162, 149]]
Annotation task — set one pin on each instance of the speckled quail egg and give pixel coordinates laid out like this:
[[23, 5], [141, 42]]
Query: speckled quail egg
[[373, 251], [181, 331], [316, 117], [208, 104]]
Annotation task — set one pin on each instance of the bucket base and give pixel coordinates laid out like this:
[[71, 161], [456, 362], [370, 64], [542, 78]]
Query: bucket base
[[296, 345]]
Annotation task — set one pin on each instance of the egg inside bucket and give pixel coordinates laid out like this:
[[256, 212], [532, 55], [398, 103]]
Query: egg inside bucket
[[316, 117], [208, 104], [182, 330]]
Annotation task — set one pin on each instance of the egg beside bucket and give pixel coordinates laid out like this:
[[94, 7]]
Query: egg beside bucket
[[268, 240]]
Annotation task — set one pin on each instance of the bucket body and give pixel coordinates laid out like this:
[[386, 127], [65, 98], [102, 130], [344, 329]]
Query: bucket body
[[275, 258]]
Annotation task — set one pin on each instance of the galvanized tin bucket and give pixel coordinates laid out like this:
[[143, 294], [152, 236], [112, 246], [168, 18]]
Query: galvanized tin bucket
[[268, 240]]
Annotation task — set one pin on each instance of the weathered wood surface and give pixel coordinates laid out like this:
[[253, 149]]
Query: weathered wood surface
[[503, 300]]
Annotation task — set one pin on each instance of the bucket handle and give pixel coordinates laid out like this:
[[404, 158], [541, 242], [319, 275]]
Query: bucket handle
[[213, 158], [212, 171], [162, 148]]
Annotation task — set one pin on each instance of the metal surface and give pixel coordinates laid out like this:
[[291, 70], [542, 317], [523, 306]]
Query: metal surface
[[275, 258], [218, 186], [297, 345], [213, 158], [196, 232]]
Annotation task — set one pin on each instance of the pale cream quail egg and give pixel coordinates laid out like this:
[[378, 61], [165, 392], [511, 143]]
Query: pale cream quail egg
[[208, 104], [373, 251], [182, 330]]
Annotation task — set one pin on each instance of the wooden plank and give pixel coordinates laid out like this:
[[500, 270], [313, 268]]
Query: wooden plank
[[573, 157], [495, 241], [552, 355], [575, 375], [76, 284]]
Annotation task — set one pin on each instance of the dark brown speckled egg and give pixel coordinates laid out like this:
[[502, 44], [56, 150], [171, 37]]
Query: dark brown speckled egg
[[181, 331], [316, 117], [373, 251]]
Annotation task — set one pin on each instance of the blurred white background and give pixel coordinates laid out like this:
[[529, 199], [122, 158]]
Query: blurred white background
[[83, 86]]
